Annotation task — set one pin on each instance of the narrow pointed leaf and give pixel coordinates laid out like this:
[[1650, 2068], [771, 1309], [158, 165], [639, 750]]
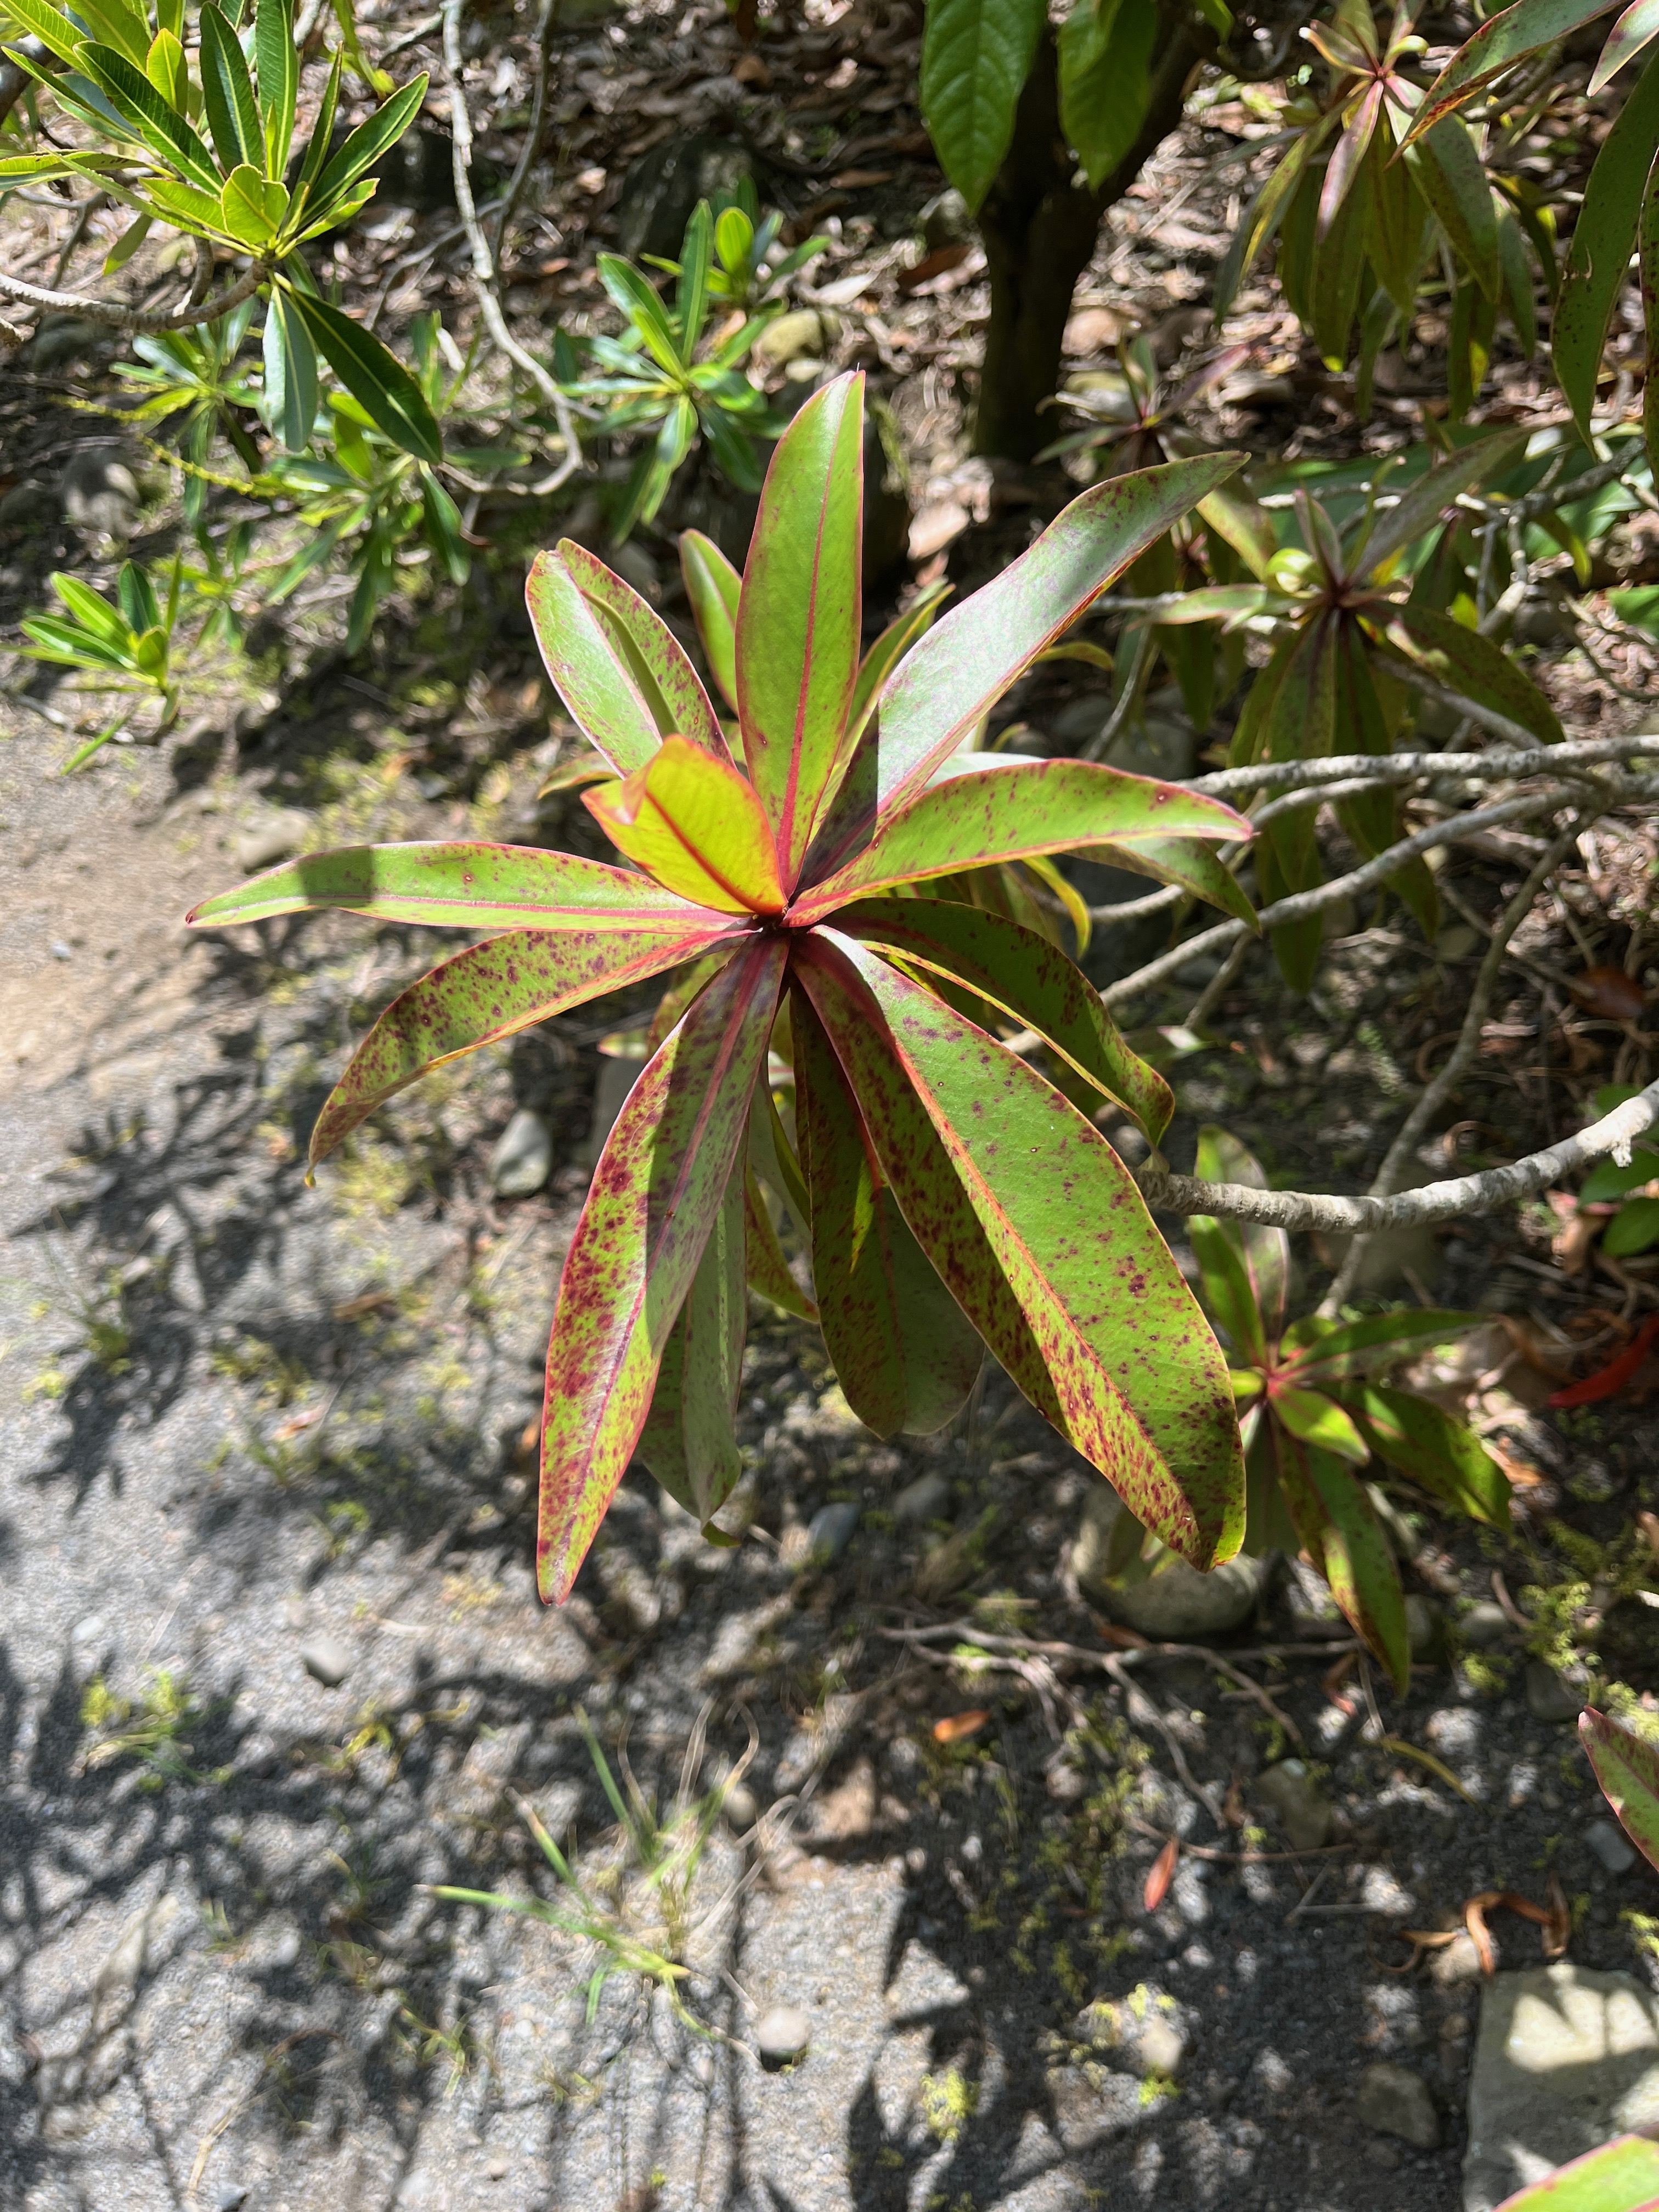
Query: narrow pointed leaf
[[1447, 170], [1635, 28], [1227, 1295], [769, 1270], [54, 29], [1343, 1537], [713, 585], [1473, 666], [799, 617], [364, 146], [1347, 156], [689, 1440], [1265, 214], [464, 886], [138, 102], [625, 677], [1603, 238], [905, 1354], [1320, 1421], [1443, 1456], [1222, 1158], [1422, 507], [227, 94], [697, 825], [657, 1188], [1139, 1380], [1196, 867], [885, 655], [489, 992], [1501, 41], [278, 65], [1627, 1768], [291, 379], [1010, 812], [972, 655], [376, 380], [1027, 979], [1327, 1350]]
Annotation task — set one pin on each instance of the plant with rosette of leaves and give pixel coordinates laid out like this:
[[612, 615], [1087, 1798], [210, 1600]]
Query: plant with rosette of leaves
[[952, 1196], [1316, 1408]]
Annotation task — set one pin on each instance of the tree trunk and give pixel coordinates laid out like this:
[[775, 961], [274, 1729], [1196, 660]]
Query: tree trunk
[[1038, 226]]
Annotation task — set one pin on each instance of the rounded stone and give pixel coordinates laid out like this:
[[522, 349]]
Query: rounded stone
[[326, 1660], [1294, 1798], [1610, 1845], [1160, 1595], [832, 1529], [782, 2036], [1548, 1697], [523, 1157], [1396, 2101], [1485, 1624]]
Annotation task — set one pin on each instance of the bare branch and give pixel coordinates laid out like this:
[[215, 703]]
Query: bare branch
[[484, 265], [1436, 1201], [141, 320], [534, 129], [1533, 759]]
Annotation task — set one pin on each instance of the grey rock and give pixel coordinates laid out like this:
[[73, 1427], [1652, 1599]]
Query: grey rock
[[1456, 1965], [946, 221], [230, 2196], [1294, 1798], [1161, 1597], [1147, 2037], [1628, 1639], [326, 1660], [832, 1529], [272, 838], [1485, 1624], [740, 1808], [782, 2036], [1162, 743], [1396, 2101], [1566, 2058], [100, 493], [1611, 1846], [89, 1630], [1548, 1697], [523, 1157], [927, 1498], [62, 338], [1426, 1629]]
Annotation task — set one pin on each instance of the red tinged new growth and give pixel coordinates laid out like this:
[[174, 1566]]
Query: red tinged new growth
[[840, 879]]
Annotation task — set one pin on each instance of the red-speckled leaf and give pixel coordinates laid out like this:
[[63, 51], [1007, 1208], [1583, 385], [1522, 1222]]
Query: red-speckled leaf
[[1027, 979], [1627, 1769], [946, 685], [689, 1440], [1139, 1380], [1622, 2176], [799, 618], [618, 667], [1345, 1539], [1501, 41], [1473, 666], [459, 887], [1603, 238], [656, 1191], [1639, 27], [1193, 866], [694, 823], [1012, 812], [486, 993], [905, 1354], [768, 1269], [1441, 1454], [713, 584]]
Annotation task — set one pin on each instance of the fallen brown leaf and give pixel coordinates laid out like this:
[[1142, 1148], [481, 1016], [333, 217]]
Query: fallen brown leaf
[[1161, 1875], [1610, 992], [856, 181], [371, 1301], [751, 70], [1554, 1919], [955, 1728], [933, 264]]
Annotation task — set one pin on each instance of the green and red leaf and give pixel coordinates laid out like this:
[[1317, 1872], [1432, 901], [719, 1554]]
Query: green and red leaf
[[768, 1269], [1627, 1768], [618, 667], [487, 993], [1013, 811], [713, 584], [1221, 1158], [697, 825], [1025, 977], [459, 886], [799, 615], [657, 1190], [1502, 40], [905, 1354], [1344, 1540], [1440, 1454], [1138, 1381], [689, 1440]]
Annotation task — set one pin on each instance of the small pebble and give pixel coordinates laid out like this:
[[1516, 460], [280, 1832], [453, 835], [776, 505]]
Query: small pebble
[[496, 2169], [274, 837], [326, 1660], [89, 1630], [1395, 2100], [230, 2196], [1610, 1845], [740, 1808], [781, 2035], [1485, 1624], [830, 1529], [1549, 1697], [523, 1157], [927, 1498], [59, 951]]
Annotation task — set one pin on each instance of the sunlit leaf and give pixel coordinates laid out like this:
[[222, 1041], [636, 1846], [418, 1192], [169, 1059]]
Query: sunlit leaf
[[697, 825]]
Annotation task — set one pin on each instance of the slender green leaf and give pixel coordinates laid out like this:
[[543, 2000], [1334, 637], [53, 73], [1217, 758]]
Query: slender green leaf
[[1443, 1456], [322, 130], [799, 617], [1342, 1536], [1227, 1295], [1327, 1351], [1627, 1767], [91, 609], [233, 115], [1265, 214], [1472, 666], [376, 380], [975, 56], [689, 1440], [905, 1354], [1196, 867], [711, 585], [136, 99], [1106, 51], [1137, 1379], [364, 146], [769, 1270], [168, 71], [1603, 238], [1221, 1158], [1447, 170], [444, 528], [1316, 1419], [465, 886], [1012, 810], [1024, 977], [636, 299], [948, 682], [279, 79], [1420, 509], [490, 991], [657, 1190], [117, 23], [1636, 29], [695, 824], [138, 597], [1501, 41], [290, 377], [53, 28]]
